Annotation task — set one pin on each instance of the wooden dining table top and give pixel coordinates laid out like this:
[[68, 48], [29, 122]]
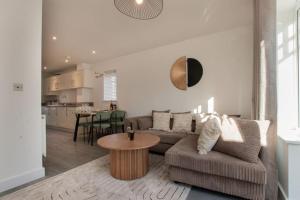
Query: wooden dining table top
[[93, 113]]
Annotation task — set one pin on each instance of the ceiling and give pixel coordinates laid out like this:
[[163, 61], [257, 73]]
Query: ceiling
[[85, 25]]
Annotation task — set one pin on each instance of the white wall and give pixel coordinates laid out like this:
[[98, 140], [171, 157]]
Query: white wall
[[144, 78], [20, 112]]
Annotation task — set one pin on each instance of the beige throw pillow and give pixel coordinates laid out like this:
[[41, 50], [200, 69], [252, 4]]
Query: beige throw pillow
[[209, 136], [161, 121], [201, 119], [182, 122]]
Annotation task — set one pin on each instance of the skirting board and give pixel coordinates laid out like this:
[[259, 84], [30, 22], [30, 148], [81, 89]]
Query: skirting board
[[21, 179], [281, 190]]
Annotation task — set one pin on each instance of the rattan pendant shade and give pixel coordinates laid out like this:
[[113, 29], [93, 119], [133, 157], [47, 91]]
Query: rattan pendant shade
[[140, 9]]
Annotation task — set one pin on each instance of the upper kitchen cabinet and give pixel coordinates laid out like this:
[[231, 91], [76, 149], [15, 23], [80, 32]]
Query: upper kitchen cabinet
[[54, 83], [80, 79], [72, 80]]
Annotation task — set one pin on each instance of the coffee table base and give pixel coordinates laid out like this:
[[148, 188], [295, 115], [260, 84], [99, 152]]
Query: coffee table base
[[129, 164]]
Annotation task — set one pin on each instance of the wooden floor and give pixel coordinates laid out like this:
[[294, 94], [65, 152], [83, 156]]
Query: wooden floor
[[63, 154]]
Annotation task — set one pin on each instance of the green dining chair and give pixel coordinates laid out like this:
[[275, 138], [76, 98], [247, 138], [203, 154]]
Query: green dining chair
[[86, 127], [101, 123], [118, 120]]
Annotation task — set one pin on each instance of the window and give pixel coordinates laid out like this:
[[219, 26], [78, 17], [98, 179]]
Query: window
[[110, 86]]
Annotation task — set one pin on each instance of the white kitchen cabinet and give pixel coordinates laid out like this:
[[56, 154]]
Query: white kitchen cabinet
[[71, 118], [61, 117], [52, 116], [54, 83], [72, 80]]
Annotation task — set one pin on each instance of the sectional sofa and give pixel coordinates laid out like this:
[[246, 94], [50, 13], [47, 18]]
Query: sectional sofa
[[214, 171]]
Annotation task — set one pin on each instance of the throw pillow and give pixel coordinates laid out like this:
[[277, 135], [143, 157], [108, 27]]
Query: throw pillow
[[145, 123], [209, 136], [161, 121], [182, 122], [201, 119], [241, 138]]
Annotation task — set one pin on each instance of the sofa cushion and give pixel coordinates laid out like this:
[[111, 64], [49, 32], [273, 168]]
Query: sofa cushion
[[184, 155], [165, 137], [161, 121], [182, 122], [241, 138], [145, 123]]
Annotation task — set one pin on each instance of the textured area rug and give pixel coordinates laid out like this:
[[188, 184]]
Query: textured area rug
[[93, 181]]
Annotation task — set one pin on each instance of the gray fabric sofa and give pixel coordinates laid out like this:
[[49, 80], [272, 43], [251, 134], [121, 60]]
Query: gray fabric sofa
[[215, 171]]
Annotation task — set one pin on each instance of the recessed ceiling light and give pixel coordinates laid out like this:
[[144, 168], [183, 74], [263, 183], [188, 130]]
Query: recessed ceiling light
[[54, 37], [45, 68], [67, 60], [139, 1], [93, 52]]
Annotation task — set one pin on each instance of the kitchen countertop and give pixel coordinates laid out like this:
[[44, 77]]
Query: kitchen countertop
[[69, 104]]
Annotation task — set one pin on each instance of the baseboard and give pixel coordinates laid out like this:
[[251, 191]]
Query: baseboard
[[282, 192], [21, 179]]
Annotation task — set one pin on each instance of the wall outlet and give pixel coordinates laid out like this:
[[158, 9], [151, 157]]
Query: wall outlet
[[18, 87]]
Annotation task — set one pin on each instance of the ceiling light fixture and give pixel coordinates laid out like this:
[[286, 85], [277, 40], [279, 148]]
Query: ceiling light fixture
[[54, 38], [140, 9], [94, 52], [67, 59], [139, 1]]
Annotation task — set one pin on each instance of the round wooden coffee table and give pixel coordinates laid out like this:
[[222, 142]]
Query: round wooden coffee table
[[129, 159]]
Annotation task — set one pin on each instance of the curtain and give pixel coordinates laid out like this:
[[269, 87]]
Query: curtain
[[265, 86]]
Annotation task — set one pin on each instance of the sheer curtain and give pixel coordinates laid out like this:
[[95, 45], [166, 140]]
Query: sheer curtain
[[265, 85]]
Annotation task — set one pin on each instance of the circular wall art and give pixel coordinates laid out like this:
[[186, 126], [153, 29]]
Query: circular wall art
[[186, 72]]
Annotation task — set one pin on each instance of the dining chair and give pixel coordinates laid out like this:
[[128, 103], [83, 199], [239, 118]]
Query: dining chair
[[118, 120], [101, 122], [86, 126]]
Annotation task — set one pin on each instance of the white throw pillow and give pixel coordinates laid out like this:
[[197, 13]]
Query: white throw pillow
[[209, 136], [201, 119], [161, 121], [182, 122]]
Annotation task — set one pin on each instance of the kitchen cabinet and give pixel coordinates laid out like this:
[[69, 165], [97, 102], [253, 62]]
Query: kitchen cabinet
[[51, 116], [60, 116], [72, 80], [71, 118], [54, 83]]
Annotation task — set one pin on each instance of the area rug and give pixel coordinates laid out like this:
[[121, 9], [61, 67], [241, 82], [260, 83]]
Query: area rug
[[93, 181]]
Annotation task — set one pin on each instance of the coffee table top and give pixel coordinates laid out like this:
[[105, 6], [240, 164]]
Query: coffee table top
[[121, 141]]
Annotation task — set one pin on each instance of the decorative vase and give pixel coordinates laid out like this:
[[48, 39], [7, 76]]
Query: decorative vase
[[130, 133]]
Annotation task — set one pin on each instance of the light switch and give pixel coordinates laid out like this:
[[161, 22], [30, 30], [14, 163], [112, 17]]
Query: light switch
[[18, 87]]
